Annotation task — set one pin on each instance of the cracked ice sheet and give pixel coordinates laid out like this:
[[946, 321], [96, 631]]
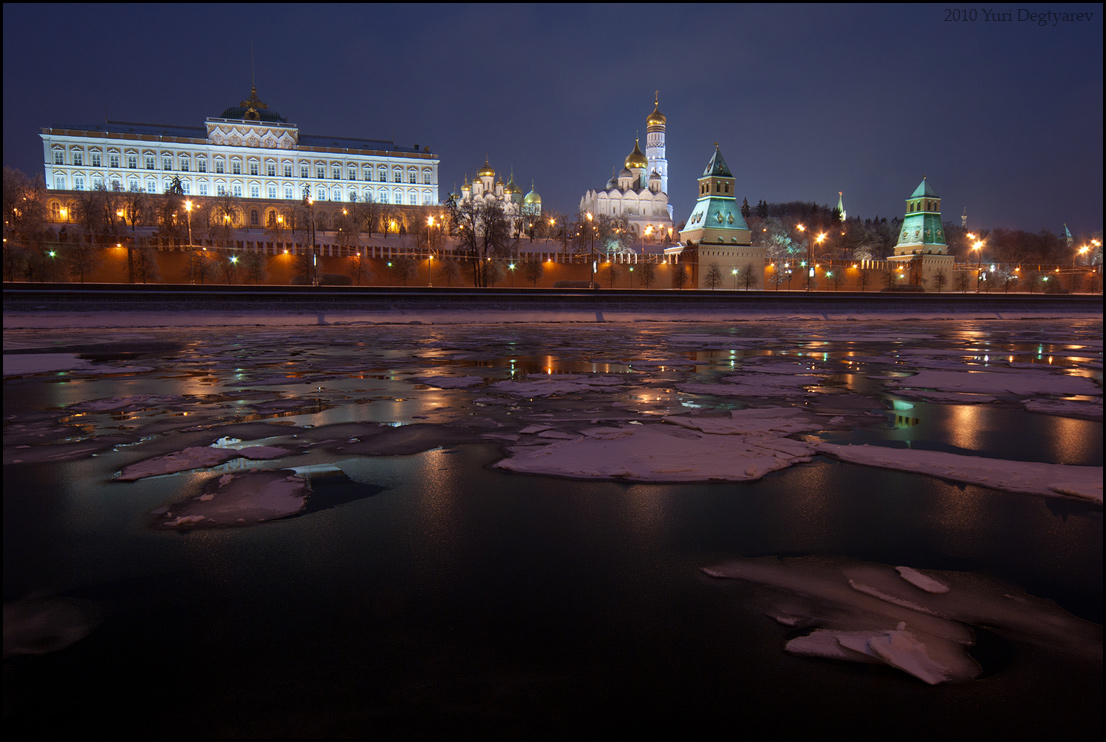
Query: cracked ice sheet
[[921, 623], [40, 363], [557, 384], [1085, 410], [989, 382], [659, 453], [1028, 477]]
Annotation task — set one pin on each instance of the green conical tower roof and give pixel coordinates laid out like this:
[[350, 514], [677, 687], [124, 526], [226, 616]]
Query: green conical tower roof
[[923, 189], [717, 167]]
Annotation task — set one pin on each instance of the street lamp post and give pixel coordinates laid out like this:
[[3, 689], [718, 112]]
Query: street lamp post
[[813, 267], [1082, 250], [591, 251], [191, 249], [978, 247], [314, 255]]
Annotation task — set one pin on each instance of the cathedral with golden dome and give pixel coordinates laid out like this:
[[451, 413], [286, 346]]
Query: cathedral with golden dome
[[487, 187], [639, 191]]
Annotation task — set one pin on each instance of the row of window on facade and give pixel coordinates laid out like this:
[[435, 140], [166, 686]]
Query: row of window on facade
[[925, 206], [252, 166], [253, 216], [288, 192]]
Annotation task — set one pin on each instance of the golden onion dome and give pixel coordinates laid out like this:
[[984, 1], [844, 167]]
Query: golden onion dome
[[532, 198], [656, 118], [636, 159], [486, 171]]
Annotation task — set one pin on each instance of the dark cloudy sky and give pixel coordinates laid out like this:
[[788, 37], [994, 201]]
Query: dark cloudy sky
[[1004, 117]]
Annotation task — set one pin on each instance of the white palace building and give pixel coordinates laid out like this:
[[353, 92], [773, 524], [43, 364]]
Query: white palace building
[[248, 152]]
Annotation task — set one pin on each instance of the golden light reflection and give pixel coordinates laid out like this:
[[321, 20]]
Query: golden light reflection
[[964, 426]]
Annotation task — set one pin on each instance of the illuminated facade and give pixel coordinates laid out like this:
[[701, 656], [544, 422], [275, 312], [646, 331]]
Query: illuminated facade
[[486, 188], [639, 192], [248, 152], [921, 251]]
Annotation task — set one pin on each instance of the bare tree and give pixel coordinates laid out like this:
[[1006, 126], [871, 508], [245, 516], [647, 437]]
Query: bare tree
[[145, 264], [749, 278], [406, 267], [83, 258], [25, 232], [532, 270], [450, 270], [648, 275], [612, 272], [134, 209], [483, 234], [713, 279], [679, 277], [253, 266], [358, 268], [940, 280]]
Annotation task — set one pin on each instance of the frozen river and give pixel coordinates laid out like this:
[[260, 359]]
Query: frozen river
[[555, 529]]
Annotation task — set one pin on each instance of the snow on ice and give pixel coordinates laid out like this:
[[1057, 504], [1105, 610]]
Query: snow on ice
[[871, 613], [1051, 480], [194, 457], [989, 382], [241, 499], [742, 448]]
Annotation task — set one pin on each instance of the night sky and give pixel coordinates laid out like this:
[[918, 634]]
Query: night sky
[[1004, 117]]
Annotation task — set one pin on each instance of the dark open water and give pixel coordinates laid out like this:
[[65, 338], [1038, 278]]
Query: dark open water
[[433, 596]]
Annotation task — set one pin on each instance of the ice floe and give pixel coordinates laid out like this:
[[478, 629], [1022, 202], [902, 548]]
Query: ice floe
[[1083, 409], [659, 453], [40, 363], [194, 457], [990, 382], [241, 499], [449, 382], [1052, 480], [42, 624], [944, 397], [922, 581], [754, 421], [547, 385], [924, 626]]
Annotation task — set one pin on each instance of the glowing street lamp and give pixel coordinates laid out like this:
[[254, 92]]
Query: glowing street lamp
[[310, 203], [813, 265], [591, 251], [1082, 250], [191, 250], [978, 246]]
